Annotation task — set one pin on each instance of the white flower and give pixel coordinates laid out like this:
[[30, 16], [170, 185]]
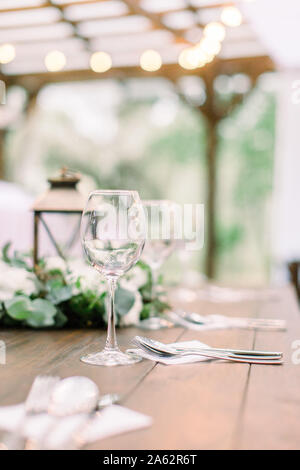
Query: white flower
[[133, 316], [55, 262], [15, 279], [135, 279], [5, 295], [89, 277]]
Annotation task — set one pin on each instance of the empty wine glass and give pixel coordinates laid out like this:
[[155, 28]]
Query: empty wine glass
[[113, 237], [161, 241]]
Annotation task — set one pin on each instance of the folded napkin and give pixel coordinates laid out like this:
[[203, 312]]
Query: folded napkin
[[79, 429], [175, 359]]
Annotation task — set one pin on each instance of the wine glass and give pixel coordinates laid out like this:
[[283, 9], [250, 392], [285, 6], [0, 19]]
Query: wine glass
[[161, 240], [113, 237]]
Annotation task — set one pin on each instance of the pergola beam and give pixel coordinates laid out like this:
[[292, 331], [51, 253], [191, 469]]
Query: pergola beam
[[72, 23], [155, 19], [252, 66]]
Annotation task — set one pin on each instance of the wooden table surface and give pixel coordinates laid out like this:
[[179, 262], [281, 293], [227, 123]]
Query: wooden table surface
[[195, 406]]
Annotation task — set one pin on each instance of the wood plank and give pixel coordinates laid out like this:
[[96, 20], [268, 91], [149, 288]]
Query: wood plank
[[194, 406], [58, 352], [271, 416]]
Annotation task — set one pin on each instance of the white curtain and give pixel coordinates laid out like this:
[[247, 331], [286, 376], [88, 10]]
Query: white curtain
[[16, 218], [286, 201]]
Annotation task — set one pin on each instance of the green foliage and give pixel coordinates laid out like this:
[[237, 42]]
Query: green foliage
[[248, 149], [229, 237], [124, 300], [59, 302], [182, 145], [35, 313], [17, 259]]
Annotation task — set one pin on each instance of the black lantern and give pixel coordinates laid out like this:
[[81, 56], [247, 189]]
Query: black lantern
[[63, 199]]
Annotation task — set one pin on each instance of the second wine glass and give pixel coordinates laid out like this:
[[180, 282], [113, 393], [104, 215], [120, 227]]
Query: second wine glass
[[113, 237]]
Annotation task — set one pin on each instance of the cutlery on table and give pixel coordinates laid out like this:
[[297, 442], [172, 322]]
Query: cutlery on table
[[163, 350], [180, 316]]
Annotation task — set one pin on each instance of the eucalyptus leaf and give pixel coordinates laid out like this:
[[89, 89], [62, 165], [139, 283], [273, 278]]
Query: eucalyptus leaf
[[5, 250], [60, 295], [42, 313], [19, 307], [124, 300]]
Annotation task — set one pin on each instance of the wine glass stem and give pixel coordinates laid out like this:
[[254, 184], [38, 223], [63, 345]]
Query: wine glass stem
[[111, 340], [155, 276]]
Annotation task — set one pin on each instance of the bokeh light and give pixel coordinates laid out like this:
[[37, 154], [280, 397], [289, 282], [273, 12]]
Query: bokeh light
[[210, 46], [231, 16], [7, 53], [215, 30], [150, 60], [100, 62], [55, 61], [188, 58]]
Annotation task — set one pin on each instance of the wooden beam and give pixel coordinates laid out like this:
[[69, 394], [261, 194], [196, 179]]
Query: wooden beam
[[135, 7], [211, 193], [194, 11], [253, 66], [72, 23]]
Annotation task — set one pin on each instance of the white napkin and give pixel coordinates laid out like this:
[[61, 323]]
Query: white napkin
[[57, 433], [175, 359], [218, 324]]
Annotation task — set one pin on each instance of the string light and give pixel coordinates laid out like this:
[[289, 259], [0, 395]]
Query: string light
[[7, 53], [210, 46], [191, 58], [150, 60], [215, 30], [55, 61], [100, 62], [231, 16]]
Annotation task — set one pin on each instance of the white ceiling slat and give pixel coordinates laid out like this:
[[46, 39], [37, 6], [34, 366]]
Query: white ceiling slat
[[10, 4], [36, 33], [113, 8], [147, 40], [29, 17], [158, 6], [134, 23]]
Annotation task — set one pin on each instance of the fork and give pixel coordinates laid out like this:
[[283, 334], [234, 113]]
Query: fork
[[157, 345], [36, 402], [163, 350]]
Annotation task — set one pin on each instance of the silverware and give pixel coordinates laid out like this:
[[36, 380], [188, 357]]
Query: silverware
[[163, 350], [155, 323], [36, 402], [158, 345], [238, 322]]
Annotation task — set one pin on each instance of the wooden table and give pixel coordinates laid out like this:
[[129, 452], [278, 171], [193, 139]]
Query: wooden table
[[197, 406]]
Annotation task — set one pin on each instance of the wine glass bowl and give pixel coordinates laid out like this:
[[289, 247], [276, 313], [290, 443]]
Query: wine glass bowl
[[113, 238], [161, 240]]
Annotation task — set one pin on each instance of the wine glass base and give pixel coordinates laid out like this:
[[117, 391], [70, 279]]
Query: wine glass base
[[111, 357]]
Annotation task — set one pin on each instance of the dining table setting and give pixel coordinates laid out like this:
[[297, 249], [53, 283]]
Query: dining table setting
[[213, 367]]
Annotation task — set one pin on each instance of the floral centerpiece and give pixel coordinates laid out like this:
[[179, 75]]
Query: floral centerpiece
[[70, 294]]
